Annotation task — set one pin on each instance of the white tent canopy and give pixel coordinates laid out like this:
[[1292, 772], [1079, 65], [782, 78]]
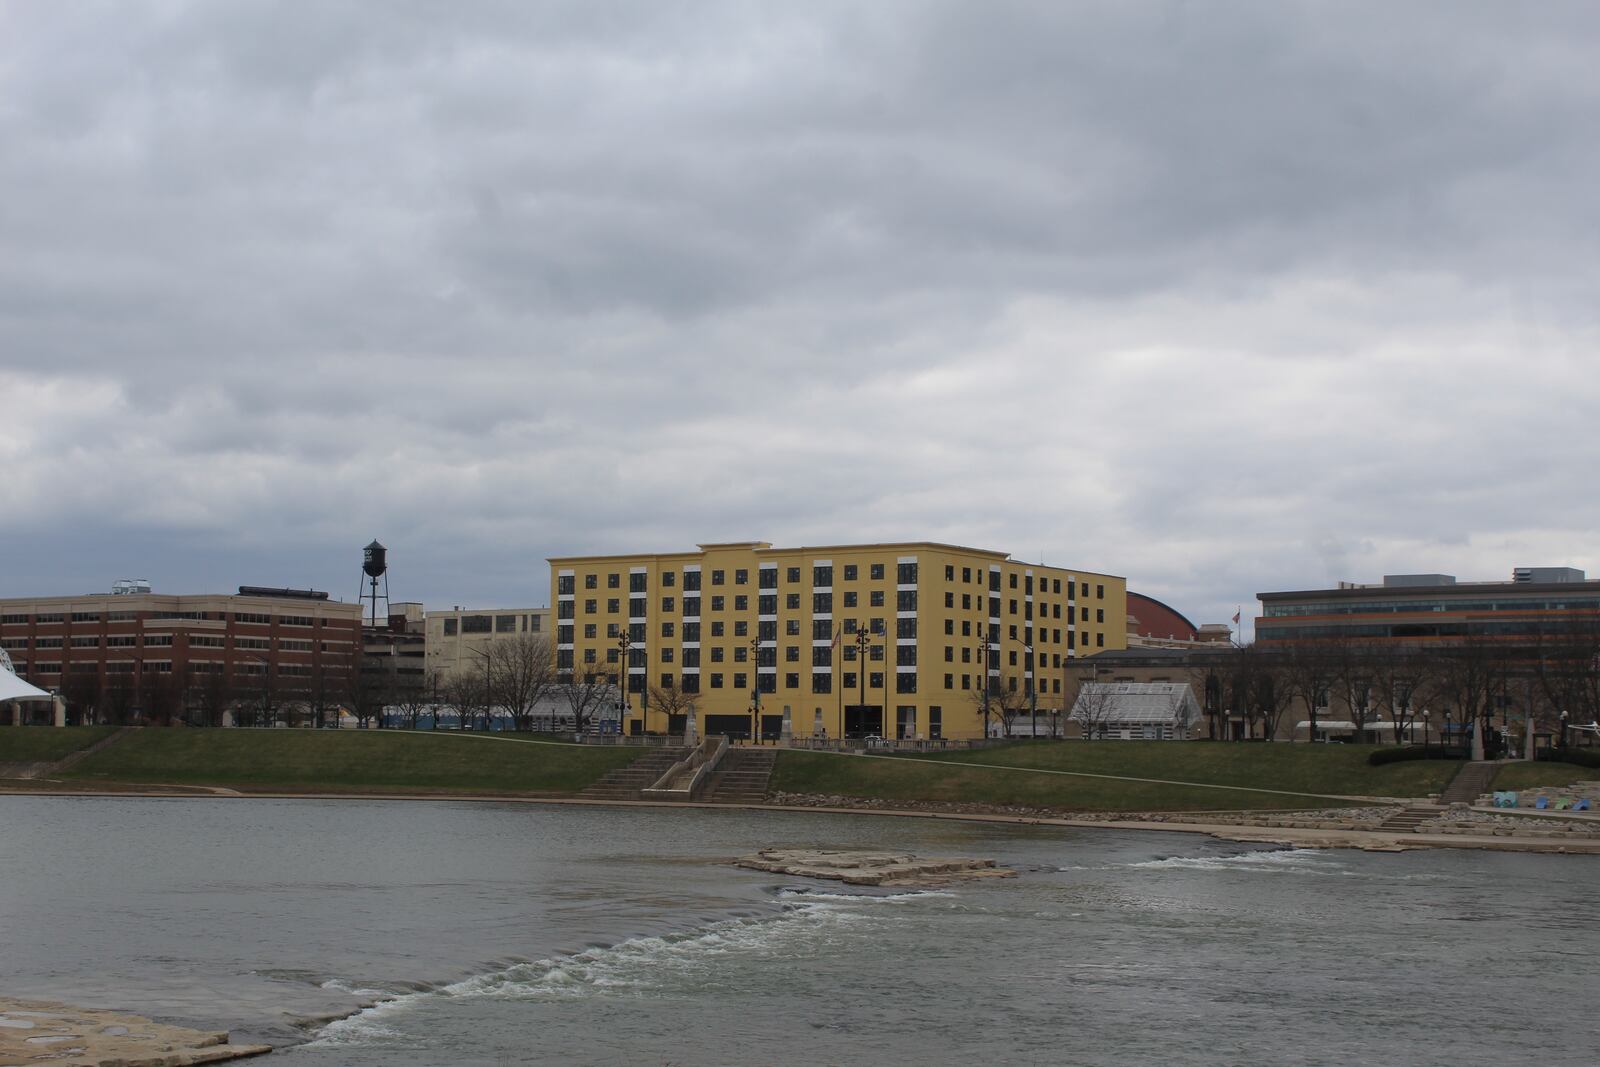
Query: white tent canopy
[[14, 688]]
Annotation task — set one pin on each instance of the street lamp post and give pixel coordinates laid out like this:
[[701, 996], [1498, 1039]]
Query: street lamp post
[[755, 689], [483, 654], [983, 677], [625, 643], [862, 642], [1033, 691]]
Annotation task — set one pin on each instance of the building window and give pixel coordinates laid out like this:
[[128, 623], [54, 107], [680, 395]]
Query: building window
[[740, 679], [767, 578], [716, 681], [691, 581], [850, 599], [821, 682], [876, 572], [666, 657], [741, 603], [740, 654], [691, 607], [791, 681], [950, 627], [668, 579], [767, 604], [636, 607], [590, 607], [666, 629], [875, 680], [822, 603], [614, 580], [821, 629], [792, 601], [906, 574], [667, 605], [848, 680], [638, 582], [906, 600], [821, 656], [875, 598], [716, 628], [690, 684], [791, 654], [505, 624], [792, 576], [949, 679], [588, 655], [741, 577], [613, 605], [741, 628], [1099, 640], [691, 657], [905, 655], [949, 600], [949, 573], [949, 653], [717, 577], [791, 627], [822, 577], [590, 631], [849, 572], [906, 628], [565, 584], [905, 682], [479, 624], [718, 603]]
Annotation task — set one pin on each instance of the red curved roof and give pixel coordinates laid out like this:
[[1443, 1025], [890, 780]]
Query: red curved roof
[[1156, 619]]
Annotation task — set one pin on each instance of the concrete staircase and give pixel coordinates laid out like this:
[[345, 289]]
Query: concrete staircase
[[625, 783], [1471, 780], [1406, 820], [741, 777]]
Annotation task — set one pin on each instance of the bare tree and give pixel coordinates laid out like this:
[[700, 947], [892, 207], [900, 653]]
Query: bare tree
[[674, 703], [999, 700], [468, 693], [161, 693], [82, 692], [522, 673], [120, 698], [1469, 675], [412, 700], [1308, 675], [1093, 709], [586, 694], [210, 692]]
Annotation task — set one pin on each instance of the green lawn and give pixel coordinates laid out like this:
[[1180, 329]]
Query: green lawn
[[1520, 776], [350, 759], [29, 744], [1319, 769], [1337, 769]]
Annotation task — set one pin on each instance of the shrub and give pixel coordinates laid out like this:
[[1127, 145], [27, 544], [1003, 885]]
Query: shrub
[[1582, 757], [1413, 752]]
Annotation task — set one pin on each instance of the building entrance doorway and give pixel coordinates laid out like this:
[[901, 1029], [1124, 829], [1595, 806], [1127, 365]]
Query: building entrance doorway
[[863, 720]]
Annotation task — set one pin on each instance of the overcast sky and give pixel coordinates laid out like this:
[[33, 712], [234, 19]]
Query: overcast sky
[[1221, 297]]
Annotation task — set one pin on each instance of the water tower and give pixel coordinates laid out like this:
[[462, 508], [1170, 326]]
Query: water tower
[[375, 567]]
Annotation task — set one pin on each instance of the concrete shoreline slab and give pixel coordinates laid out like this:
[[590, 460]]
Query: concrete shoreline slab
[[35, 1033]]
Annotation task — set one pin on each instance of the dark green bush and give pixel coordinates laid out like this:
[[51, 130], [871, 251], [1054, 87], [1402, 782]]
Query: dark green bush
[[1582, 757], [1405, 754]]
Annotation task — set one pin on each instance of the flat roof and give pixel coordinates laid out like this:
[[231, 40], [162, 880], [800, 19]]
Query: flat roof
[[1420, 592], [766, 548]]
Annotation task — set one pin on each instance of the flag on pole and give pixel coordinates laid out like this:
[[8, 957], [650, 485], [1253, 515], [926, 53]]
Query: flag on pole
[[1236, 617], [837, 633]]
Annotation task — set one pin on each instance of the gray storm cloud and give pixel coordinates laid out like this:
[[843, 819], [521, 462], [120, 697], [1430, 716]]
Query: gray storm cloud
[[1191, 294]]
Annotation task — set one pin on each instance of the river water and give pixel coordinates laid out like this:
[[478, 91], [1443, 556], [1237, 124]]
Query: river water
[[512, 934]]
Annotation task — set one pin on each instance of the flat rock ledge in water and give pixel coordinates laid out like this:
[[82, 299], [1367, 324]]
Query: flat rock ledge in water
[[871, 868], [38, 1034]]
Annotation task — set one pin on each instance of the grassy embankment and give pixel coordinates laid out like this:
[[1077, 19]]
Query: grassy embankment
[[1306, 773], [348, 761], [46, 744], [1522, 776]]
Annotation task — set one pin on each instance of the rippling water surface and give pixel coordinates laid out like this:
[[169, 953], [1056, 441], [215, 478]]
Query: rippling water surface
[[488, 934]]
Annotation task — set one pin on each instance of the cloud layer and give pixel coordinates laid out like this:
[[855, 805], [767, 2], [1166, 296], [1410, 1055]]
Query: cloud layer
[[1223, 300]]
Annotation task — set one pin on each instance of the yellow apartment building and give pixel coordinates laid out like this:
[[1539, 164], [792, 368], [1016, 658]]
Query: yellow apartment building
[[889, 640]]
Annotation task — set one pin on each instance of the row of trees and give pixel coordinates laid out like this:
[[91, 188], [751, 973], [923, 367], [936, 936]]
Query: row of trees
[[1407, 686]]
